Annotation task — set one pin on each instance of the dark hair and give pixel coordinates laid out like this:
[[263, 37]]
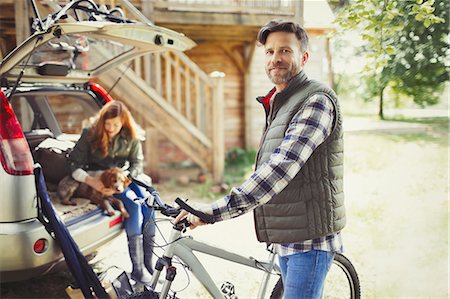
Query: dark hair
[[283, 26]]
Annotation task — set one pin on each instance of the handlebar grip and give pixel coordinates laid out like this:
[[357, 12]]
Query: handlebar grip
[[204, 217], [150, 189], [142, 183]]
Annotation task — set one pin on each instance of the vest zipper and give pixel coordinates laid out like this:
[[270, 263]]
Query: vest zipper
[[268, 122]]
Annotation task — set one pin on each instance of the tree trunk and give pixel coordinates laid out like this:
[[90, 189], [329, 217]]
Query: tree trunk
[[380, 111]]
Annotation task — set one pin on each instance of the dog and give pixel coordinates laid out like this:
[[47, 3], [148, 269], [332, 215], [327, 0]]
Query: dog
[[113, 178]]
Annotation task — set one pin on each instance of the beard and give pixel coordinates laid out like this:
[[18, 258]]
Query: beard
[[281, 78]]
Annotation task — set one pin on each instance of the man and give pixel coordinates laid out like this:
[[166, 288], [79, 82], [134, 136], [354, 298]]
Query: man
[[296, 191]]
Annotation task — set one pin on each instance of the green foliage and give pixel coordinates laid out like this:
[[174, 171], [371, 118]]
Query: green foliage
[[238, 164], [338, 5], [420, 65], [406, 46], [238, 156]]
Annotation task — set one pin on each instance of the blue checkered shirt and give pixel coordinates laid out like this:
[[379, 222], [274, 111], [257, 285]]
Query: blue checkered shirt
[[309, 127]]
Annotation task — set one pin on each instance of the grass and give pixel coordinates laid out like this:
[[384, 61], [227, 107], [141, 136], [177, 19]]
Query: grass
[[441, 122], [438, 128]]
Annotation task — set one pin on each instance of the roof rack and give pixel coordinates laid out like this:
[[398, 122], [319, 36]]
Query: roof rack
[[78, 10]]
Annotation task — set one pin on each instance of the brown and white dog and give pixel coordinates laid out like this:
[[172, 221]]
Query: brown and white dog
[[113, 178]]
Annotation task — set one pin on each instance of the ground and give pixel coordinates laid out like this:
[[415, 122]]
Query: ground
[[396, 186]]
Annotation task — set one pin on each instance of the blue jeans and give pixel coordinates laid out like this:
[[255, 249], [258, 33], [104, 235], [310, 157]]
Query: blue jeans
[[303, 274], [139, 213]]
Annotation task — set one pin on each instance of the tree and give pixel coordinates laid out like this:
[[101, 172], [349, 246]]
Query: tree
[[406, 47], [338, 5]]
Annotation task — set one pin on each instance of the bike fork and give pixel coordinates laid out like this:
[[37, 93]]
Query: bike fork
[[171, 272]]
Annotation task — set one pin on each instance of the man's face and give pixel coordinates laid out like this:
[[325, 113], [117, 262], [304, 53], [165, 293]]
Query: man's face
[[284, 58]]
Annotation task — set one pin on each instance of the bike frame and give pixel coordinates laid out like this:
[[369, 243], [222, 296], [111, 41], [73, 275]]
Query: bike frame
[[184, 247]]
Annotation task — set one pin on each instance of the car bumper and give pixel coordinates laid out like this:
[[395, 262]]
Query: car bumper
[[19, 261]]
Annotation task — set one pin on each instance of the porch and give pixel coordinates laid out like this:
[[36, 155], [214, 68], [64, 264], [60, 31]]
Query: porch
[[195, 105]]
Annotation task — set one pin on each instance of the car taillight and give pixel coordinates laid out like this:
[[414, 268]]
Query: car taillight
[[15, 154], [100, 91], [40, 246]]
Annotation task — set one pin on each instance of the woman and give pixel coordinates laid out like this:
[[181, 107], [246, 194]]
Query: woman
[[112, 141]]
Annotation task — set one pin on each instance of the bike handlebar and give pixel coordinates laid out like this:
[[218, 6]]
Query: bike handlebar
[[167, 210], [204, 217]]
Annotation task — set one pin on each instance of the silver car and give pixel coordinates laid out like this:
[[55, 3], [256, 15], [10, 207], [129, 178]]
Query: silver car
[[45, 110]]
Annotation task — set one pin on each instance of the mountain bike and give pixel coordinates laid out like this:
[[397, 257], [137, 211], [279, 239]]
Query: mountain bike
[[342, 280]]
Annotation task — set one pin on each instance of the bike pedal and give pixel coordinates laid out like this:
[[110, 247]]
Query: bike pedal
[[228, 290]]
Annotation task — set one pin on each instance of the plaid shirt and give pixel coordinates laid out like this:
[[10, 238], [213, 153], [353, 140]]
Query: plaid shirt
[[309, 127]]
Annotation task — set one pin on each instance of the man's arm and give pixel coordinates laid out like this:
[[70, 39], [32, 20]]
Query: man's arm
[[306, 131]]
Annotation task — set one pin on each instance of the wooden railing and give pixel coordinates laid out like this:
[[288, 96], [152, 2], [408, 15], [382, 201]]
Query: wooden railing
[[180, 84]]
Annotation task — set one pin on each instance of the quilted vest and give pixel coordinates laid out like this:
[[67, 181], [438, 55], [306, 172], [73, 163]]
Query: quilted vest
[[312, 204]]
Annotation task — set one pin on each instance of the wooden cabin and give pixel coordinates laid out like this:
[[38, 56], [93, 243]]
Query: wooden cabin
[[208, 93]]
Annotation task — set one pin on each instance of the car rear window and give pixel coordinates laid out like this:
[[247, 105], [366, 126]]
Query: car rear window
[[59, 112], [72, 112], [24, 113]]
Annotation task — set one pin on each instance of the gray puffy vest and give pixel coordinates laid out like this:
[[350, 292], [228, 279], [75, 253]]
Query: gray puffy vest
[[312, 204]]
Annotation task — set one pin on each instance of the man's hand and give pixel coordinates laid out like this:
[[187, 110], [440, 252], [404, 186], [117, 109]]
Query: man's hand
[[193, 220]]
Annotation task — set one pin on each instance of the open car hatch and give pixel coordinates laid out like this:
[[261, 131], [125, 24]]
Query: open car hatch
[[81, 50]]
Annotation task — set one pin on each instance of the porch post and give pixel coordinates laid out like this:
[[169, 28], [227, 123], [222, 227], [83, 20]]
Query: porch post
[[151, 153], [218, 144], [330, 63], [22, 19], [249, 100], [148, 9], [299, 8]]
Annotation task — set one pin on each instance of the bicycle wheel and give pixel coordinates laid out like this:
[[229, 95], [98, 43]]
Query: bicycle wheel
[[277, 292], [145, 295], [342, 281]]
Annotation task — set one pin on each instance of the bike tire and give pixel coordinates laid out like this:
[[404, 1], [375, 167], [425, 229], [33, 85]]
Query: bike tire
[[345, 266], [278, 290], [147, 294]]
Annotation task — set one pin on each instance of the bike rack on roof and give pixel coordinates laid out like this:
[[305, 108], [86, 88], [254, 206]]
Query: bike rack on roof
[[79, 10]]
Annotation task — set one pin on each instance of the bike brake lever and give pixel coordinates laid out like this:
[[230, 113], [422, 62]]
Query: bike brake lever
[[204, 217]]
